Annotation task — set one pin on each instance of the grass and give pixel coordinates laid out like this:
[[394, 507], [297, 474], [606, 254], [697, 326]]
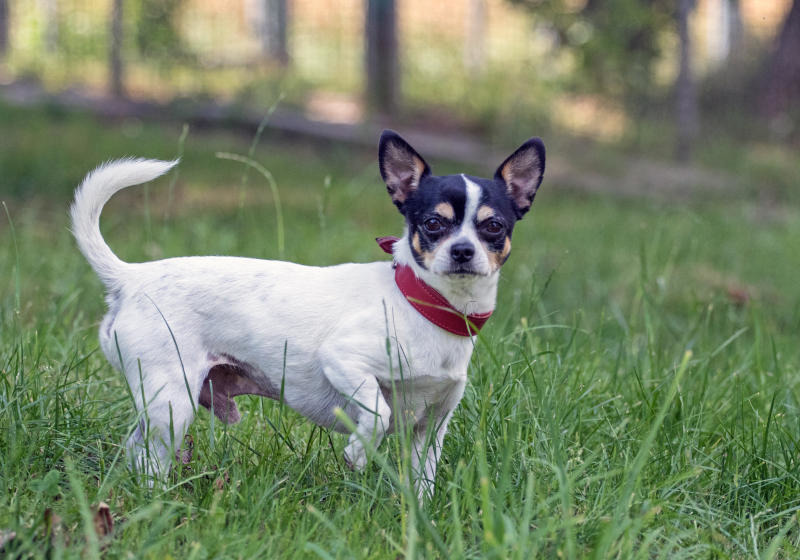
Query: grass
[[635, 395]]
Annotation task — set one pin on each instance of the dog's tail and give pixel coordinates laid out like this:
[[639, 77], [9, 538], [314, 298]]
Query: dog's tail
[[90, 197]]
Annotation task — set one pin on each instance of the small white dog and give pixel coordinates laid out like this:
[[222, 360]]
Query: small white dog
[[372, 340]]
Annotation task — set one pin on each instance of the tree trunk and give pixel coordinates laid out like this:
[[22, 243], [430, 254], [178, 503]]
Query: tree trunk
[[4, 27], [115, 57], [686, 114], [782, 85], [274, 23], [381, 56]]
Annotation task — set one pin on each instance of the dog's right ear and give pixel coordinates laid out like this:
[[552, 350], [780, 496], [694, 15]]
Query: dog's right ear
[[401, 166]]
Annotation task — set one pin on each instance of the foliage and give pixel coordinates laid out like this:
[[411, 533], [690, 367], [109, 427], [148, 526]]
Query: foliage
[[157, 35], [615, 42]]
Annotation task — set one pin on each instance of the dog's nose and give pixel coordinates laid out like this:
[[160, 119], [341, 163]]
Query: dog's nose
[[462, 252]]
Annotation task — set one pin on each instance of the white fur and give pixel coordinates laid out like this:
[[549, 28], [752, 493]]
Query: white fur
[[473, 198], [90, 197], [330, 326]]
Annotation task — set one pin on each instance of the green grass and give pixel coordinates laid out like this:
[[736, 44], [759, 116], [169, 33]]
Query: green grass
[[625, 401]]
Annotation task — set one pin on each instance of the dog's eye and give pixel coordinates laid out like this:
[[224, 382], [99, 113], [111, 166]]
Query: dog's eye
[[493, 227], [433, 225]]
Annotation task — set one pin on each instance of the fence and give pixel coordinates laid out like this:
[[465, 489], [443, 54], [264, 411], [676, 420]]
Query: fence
[[476, 58]]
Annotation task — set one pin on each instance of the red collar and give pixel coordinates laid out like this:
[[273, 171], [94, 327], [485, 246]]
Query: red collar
[[431, 304]]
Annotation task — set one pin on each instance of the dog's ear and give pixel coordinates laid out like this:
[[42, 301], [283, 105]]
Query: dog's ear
[[401, 166], [522, 174]]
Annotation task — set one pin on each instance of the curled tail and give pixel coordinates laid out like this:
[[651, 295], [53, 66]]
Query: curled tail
[[90, 197]]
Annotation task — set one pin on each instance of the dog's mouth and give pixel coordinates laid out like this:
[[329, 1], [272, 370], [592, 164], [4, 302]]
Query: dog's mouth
[[462, 271]]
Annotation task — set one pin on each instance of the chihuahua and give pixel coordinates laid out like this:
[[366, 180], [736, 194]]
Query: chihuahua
[[354, 347]]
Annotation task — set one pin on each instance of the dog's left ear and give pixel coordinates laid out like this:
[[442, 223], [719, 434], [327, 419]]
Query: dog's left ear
[[522, 174], [401, 166]]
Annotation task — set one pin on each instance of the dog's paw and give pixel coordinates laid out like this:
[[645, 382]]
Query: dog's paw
[[355, 455], [424, 489]]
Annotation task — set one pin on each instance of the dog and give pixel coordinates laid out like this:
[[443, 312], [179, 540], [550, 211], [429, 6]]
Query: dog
[[353, 347]]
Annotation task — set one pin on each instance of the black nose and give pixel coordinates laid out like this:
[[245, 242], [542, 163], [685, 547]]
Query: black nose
[[462, 252]]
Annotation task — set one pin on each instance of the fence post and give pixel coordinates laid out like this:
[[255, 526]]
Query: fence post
[[686, 111], [274, 23], [4, 17], [381, 56], [115, 57]]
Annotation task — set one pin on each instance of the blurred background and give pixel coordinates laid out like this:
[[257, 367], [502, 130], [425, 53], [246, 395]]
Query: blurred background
[[685, 79]]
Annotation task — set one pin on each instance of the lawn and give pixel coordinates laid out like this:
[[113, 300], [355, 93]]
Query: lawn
[[635, 395]]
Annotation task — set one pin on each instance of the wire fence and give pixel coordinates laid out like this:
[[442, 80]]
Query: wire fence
[[488, 60], [218, 46]]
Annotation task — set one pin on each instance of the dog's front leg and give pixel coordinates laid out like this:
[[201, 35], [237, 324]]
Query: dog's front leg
[[427, 447], [371, 413], [428, 441]]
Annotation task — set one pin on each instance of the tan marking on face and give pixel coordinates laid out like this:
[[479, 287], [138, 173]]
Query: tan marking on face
[[496, 260], [484, 213], [427, 257], [445, 210], [506, 248], [415, 243]]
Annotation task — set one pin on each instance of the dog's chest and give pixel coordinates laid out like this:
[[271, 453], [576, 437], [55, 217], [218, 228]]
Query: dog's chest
[[420, 397], [434, 373]]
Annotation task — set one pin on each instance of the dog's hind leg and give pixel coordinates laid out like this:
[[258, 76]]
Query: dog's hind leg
[[166, 402]]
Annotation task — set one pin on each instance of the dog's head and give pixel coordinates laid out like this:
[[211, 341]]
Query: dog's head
[[459, 224]]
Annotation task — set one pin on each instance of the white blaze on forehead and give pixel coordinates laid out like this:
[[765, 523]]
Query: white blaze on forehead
[[473, 198], [442, 262]]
